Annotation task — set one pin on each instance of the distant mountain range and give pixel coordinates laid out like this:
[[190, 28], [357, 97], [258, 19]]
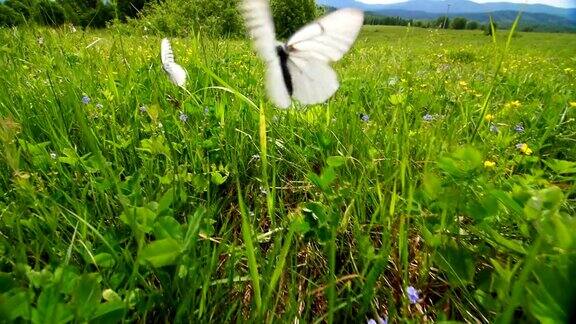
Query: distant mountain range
[[456, 6], [547, 17]]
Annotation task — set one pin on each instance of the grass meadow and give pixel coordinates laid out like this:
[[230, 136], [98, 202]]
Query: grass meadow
[[438, 184]]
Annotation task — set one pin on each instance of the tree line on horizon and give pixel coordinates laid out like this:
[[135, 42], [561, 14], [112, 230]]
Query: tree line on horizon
[[442, 22], [167, 17], [84, 13]]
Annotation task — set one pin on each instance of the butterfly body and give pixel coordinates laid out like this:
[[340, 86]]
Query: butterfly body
[[300, 68], [283, 57]]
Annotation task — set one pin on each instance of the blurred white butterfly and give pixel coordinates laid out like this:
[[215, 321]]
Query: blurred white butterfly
[[300, 68], [175, 72]]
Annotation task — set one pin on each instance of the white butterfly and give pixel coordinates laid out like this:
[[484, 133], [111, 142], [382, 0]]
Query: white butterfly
[[176, 73], [300, 68]]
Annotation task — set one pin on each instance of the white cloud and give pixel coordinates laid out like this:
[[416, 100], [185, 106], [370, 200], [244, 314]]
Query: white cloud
[[555, 3]]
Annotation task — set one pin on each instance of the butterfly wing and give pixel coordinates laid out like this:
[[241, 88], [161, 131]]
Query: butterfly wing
[[313, 80], [260, 26], [328, 38], [166, 54], [175, 72], [314, 46], [258, 18]]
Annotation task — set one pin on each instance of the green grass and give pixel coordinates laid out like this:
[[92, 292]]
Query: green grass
[[249, 213]]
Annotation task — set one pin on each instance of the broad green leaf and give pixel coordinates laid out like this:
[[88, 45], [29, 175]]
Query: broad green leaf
[[457, 263], [155, 146], [7, 281], [167, 227], [104, 260], [161, 253], [16, 304], [432, 185], [512, 245], [218, 178], [166, 201], [86, 296], [561, 167], [110, 295], [110, 312], [336, 161], [50, 308], [139, 218], [544, 203]]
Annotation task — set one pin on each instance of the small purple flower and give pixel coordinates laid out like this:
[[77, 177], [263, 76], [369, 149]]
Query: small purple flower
[[519, 128], [183, 117], [365, 118], [143, 109], [494, 129], [412, 295], [428, 118], [206, 110], [85, 99], [378, 320]]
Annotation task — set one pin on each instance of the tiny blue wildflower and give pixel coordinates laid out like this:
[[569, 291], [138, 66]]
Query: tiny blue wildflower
[[365, 118], [183, 117], [85, 99], [428, 118], [519, 128], [99, 106], [494, 129], [143, 109], [206, 110], [412, 295], [378, 320]]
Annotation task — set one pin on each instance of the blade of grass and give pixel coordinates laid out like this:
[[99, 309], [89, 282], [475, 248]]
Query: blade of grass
[[250, 250]]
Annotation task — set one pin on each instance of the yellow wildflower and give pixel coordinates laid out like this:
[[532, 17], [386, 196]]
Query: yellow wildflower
[[489, 117], [463, 83], [489, 164], [513, 104], [524, 149], [573, 104]]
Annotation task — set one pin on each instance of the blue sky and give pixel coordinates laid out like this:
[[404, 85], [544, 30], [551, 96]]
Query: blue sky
[[555, 3]]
